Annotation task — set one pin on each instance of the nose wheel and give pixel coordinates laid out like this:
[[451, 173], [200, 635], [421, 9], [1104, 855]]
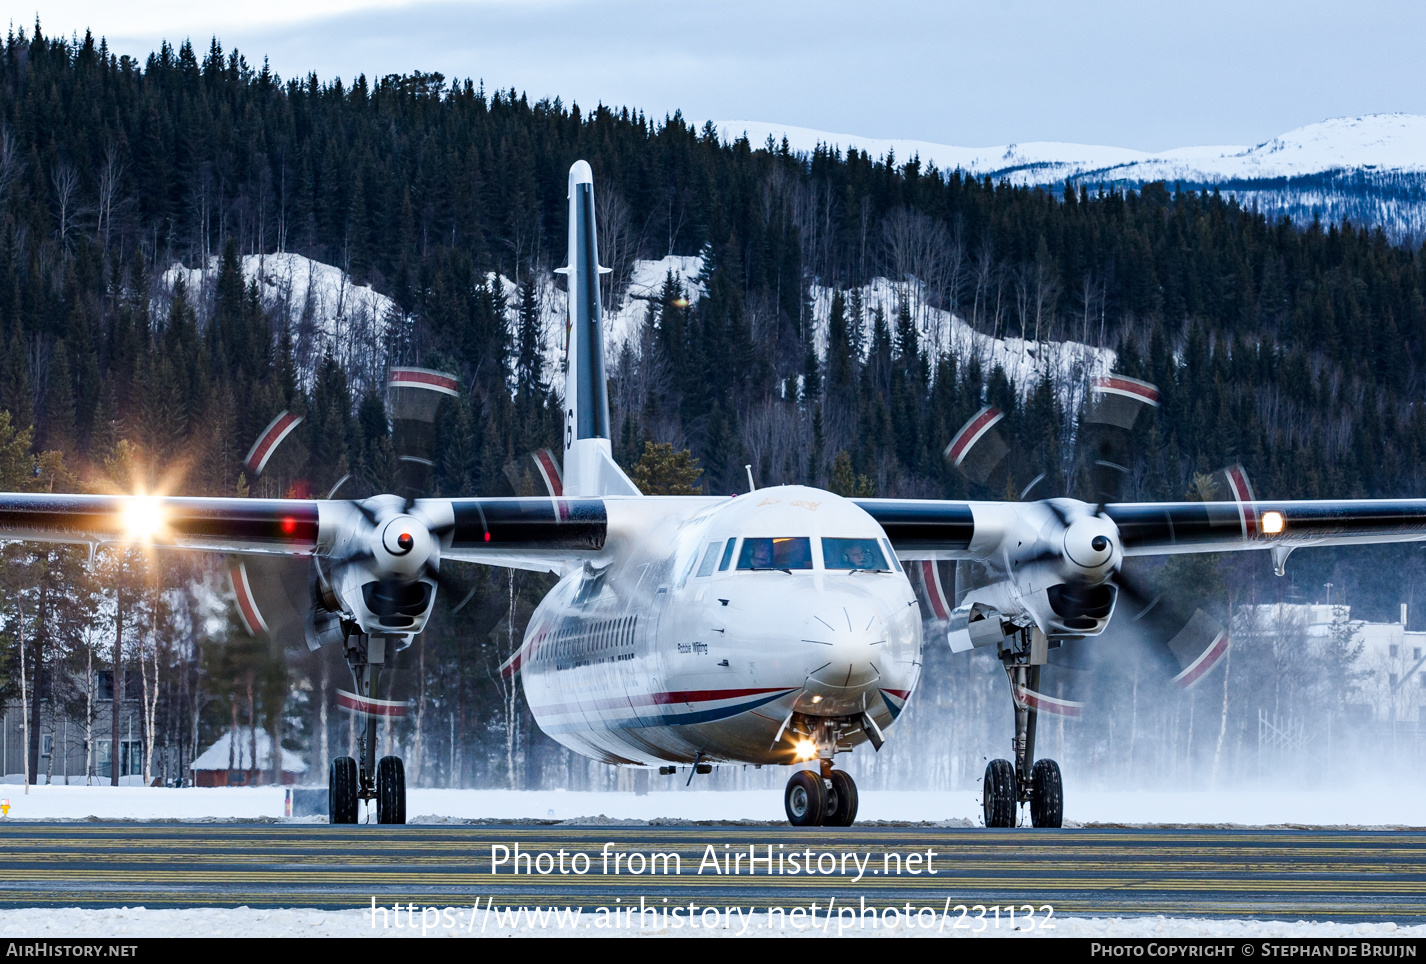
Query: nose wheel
[[821, 799]]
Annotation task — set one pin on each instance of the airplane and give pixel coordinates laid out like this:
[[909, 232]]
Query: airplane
[[778, 627]]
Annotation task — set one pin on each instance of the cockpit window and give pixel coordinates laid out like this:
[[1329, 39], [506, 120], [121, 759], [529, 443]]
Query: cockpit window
[[853, 554], [727, 555], [789, 553], [710, 556]]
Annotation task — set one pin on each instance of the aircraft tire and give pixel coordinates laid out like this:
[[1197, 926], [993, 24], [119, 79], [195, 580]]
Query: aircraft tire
[[841, 801], [390, 790], [1047, 798], [998, 794], [805, 799], [342, 790]]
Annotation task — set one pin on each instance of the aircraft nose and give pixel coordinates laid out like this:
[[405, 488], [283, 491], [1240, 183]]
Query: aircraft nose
[[845, 639]]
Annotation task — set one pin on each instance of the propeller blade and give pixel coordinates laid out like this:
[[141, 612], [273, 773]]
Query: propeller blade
[[366, 511], [1186, 649], [1045, 703], [416, 395], [276, 597], [537, 474], [442, 581], [1114, 406], [979, 447]]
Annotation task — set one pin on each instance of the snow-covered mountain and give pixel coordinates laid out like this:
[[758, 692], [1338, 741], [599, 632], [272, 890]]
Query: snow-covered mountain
[[1369, 169]]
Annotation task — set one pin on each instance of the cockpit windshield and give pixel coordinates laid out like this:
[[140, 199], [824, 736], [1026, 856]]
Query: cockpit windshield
[[789, 553], [852, 554]]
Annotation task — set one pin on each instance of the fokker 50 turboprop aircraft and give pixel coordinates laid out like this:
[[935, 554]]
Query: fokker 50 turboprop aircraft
[[782, 626]]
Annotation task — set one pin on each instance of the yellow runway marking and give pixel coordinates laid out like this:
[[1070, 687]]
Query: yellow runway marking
[[1342, 876]]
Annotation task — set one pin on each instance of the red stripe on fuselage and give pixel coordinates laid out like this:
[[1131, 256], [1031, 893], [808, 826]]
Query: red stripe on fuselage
[[662, 699]]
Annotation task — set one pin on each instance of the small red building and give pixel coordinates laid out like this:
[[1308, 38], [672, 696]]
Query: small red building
[[230, 763]]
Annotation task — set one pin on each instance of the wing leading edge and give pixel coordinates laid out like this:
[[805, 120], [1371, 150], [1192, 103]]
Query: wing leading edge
[[522, 533], [935, 529]]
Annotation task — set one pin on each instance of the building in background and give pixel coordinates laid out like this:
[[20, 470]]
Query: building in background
[[64, 757], [1390, 671], [231, 762]]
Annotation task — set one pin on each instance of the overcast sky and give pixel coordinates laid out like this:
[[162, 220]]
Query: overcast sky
[[1146, 75]]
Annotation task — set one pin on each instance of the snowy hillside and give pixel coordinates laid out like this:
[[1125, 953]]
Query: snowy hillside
[[1369, 169], [324, 308], [1069, 364], [322, 305]]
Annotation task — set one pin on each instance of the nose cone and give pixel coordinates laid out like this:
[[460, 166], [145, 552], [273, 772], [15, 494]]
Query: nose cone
[[1091, 543], [845, 639]]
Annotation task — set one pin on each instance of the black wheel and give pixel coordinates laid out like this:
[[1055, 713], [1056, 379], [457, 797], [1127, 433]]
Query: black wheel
[[805, 799], [390, 790], [841, 801], [1047, 798], [342, 790], [998, 794]]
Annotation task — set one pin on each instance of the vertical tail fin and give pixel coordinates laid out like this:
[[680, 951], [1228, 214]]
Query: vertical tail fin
[[589, 467]]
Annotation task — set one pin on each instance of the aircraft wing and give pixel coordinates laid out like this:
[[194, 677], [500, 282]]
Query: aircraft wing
[[521, 533], [532, 533], [1151, 528], [277, 526], [938, 529]]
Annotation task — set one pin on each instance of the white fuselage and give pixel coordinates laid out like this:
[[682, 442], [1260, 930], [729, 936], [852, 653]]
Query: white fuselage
[[677, 649]]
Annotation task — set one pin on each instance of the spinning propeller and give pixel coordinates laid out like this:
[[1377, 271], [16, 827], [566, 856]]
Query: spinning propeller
[[379, 575], [1079, 553]]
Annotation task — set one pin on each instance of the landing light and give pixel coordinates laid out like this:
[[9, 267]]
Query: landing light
[[143, 518], [1272, 523], [805, 749]]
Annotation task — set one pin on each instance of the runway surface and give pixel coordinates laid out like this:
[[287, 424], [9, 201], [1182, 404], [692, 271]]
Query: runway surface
[[1286, 874]]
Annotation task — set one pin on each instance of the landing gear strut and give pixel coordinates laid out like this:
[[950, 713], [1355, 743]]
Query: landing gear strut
[[350, 782], [822, 799], [1006, 784]]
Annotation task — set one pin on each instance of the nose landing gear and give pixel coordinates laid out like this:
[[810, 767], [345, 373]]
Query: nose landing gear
[[821, 799]]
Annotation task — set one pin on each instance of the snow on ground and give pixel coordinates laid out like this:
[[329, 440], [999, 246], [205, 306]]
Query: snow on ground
[[1354, 806], [1379, 142], [116, 923]]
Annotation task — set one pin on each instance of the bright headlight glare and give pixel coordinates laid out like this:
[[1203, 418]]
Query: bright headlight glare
[[143, 518], [1272, 523], [805, 749]]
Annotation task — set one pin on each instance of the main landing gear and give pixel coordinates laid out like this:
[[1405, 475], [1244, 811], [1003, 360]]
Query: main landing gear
[[349, 784], [1027, 780], [822, 798]]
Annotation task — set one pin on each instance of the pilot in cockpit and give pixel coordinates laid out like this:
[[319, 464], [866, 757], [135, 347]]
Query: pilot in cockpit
[[854, 556], [762, 553]]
